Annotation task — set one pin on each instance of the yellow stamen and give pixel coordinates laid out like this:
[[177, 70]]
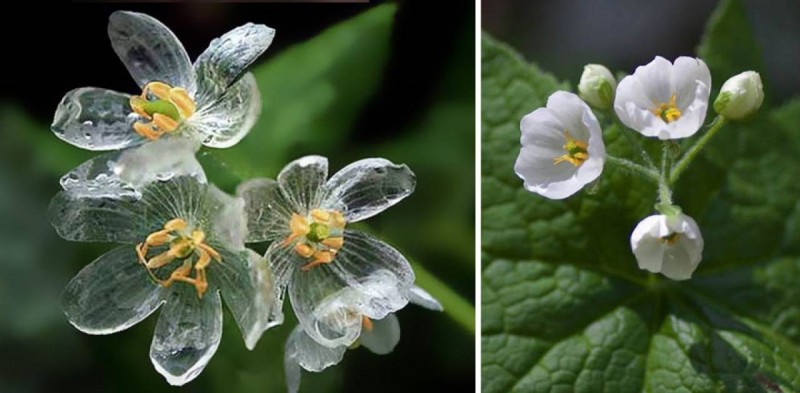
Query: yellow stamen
[[182, 246], [366, 323], [170, 106], [317, 237], [670, 239], [668, 112], [576, 151]]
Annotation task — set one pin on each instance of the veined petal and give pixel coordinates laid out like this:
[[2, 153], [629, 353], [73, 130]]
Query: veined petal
[[226, 222], [266, 209], [224, 122], [247, 287], [302, 182], [96, 119], [424, 299], [226, 58], [292, 372], [303, 351], [111, 294], [364, 258], [125, 173], [99, 219], [150, 51], [187, 334], [383, 337], [367, 187], [325, 306]]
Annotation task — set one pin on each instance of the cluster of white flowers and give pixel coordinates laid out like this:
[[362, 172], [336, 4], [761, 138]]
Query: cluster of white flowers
[[563, 151], [184, 240]]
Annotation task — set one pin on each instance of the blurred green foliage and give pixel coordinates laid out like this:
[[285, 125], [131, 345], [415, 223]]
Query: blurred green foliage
[[313, 95], [564, 305]]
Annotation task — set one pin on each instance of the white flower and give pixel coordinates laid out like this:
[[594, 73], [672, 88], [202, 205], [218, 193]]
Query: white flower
[[212, 102], [378, 336], [670, 245], [313, 256], [740, 96], [597, 86], [183, 246], [665, 100], [562, 147]]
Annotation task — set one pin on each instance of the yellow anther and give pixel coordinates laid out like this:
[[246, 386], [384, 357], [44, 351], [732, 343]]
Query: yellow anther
[[298, 227], [670, 239], [303, 250], [668, 112], [334, 242], [576, 151], [320, 257], [366, 323], [320, 216], [165, 105], [338, 220], [182, 246]]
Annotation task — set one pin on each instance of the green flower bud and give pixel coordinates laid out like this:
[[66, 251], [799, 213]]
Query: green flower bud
[[597, 86], [740, 96]]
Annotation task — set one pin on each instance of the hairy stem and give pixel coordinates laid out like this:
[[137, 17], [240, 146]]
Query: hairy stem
[[690, 155]]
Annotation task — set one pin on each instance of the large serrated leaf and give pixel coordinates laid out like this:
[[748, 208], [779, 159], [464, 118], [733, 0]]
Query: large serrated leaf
[[565, 308]]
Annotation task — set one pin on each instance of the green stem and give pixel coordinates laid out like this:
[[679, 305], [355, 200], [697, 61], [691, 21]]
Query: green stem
[[690, 155], [649, 174], [635, 142], [664, 192], [458, 308]]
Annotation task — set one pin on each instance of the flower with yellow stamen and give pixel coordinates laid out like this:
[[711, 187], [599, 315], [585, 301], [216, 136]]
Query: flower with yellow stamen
[[663, 99], [671, 245], [314, 253], [213, 102], [183, 250], [562, 147]]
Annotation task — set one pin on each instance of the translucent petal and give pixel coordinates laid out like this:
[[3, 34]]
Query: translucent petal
[[111, 294], [266, 209], [125, 173], [150, 51], [424, 299], [325, 306], [222, 217], [226, 58], [383, 337], [367, 187], [362, 256], [246, 285], [187, 334], [96, 119], [308, 354], [224, 122], [292, 372], [100, 219], [301, 182]]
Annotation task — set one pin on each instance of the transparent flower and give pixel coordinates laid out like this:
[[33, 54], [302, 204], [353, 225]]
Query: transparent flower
[[597, 86], [670, 245], [211, 102], [183, 246], [665, 100], [313, 256], [562, 147], [378, 336], [741, 96]]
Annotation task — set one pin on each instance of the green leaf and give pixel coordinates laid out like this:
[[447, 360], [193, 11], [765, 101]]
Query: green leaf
[[565, 307]]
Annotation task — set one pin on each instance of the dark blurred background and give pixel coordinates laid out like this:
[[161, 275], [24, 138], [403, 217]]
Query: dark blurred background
[[409, 97], [562, 36]]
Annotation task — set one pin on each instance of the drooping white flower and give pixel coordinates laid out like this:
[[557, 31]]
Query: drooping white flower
[[378, 336], [213, 102], [670, 245], [597, 86], [740, 96], [183, 247], [314, 258], [562, 147], [665, 100]]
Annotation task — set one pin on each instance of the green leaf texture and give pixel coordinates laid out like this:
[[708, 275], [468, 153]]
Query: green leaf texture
[[565, 307]]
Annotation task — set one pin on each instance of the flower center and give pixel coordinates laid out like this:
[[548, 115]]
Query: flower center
[[317, 237], [165, 111], [576, 151], [670, 239], [668, 112], [183, 245]]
